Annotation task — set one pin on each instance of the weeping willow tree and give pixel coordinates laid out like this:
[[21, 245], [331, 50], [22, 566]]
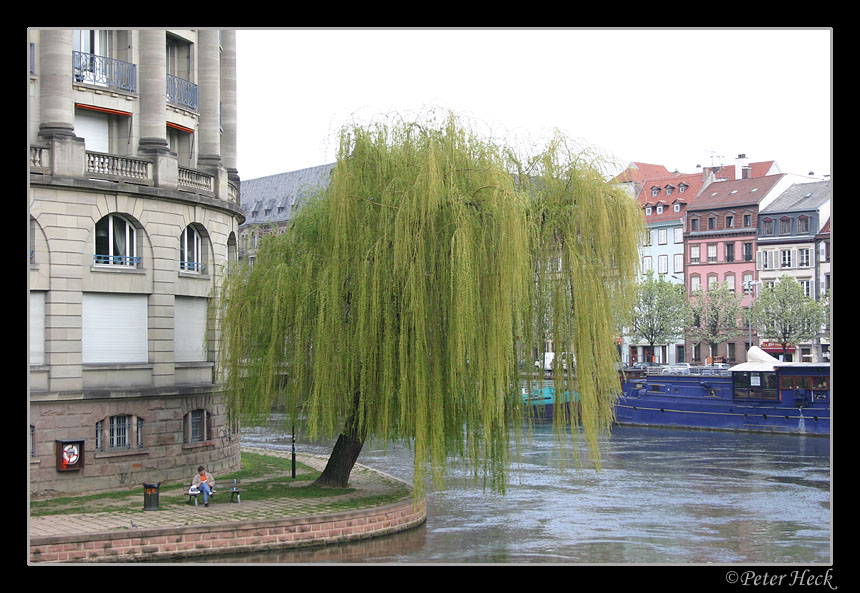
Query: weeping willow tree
[[403, 294]]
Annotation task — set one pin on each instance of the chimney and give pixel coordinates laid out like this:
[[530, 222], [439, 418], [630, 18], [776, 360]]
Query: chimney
[[742, 167]]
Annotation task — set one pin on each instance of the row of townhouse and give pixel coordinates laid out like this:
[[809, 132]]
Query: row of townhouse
[[744, 226], [134, 214]]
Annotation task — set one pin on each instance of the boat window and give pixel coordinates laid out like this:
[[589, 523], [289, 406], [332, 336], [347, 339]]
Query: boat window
[[741, 385], [755, 385], [768, 388], [803, 382]]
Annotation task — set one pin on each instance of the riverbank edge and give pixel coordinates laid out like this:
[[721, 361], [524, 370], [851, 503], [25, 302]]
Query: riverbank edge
[[167, 544]]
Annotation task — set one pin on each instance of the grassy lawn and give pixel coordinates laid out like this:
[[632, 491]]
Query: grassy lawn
[[263, 477]]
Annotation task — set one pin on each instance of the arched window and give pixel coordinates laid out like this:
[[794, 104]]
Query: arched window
[[196, 426], [191, 251], [115, 242], [119, 433]]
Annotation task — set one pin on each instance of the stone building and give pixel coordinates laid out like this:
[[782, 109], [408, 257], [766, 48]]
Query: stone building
[[134, 211], [270, 202]]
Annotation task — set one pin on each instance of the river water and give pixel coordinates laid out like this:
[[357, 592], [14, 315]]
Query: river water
[[662, 496]]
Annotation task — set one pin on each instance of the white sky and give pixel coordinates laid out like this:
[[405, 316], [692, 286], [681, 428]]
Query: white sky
[[674, 97]]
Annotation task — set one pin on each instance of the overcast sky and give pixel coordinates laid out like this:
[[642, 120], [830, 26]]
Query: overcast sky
[[676, 97]]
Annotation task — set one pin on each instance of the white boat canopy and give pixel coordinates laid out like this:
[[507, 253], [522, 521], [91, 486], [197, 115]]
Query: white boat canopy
[[757, 360]]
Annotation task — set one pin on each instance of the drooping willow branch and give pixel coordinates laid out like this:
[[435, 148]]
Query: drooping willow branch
[[411, 308]]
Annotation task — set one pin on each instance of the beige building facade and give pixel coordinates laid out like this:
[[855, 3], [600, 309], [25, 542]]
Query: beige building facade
[[134, 211]]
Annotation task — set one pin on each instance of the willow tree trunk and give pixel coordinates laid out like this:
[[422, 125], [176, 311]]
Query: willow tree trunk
[[340, 462], [343, 456]]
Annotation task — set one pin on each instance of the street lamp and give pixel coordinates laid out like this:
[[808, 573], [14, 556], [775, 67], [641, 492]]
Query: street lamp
[[749, 288]]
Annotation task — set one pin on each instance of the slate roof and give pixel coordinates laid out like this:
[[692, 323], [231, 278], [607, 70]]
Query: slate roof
[[801, 196], [274, 198]]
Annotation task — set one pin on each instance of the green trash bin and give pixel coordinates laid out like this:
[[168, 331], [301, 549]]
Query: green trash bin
[[150, 496]]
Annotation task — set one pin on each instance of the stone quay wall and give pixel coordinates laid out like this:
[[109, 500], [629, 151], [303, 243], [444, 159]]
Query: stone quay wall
[[176, 543]]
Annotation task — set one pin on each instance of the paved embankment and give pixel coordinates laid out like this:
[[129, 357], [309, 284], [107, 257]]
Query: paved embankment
[[180, 531]]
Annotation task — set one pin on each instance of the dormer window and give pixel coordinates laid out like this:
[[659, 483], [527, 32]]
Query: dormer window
[[660, 209], [655, 191], [647, 210], [669, 190], [676, 207], [682, 187]]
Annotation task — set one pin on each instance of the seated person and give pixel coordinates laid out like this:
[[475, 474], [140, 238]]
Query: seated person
[[203, 482]]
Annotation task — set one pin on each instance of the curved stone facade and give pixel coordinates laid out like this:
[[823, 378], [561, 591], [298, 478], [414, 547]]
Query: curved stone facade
[[131, 230]]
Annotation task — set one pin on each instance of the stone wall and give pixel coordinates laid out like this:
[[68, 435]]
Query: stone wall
[[177, 543], [165, 457]]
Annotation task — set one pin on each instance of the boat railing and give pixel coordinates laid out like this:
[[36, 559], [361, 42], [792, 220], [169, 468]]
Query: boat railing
[[694, 370]]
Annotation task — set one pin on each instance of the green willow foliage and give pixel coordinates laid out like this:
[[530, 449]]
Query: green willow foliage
[[405, 293]]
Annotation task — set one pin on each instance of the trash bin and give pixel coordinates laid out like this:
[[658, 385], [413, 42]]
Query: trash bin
[[150, 496]]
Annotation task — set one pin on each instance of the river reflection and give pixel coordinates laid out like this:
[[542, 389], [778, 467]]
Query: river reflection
[[662, 496]]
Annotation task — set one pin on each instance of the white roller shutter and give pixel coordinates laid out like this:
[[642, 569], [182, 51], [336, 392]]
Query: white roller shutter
[[114, 328], [189, 316], [37, 328], [93, 127]]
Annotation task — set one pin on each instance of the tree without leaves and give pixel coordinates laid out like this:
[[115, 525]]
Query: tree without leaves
[[715, 316], [398, 301]]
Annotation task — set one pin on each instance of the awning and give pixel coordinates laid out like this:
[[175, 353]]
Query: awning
[[772, 348]]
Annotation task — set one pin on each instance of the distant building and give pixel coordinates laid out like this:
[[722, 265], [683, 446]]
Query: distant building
[[271, 201], [134, 214], [822, 272], [664, 202], [665, 199], [720, 236], [786, 237]]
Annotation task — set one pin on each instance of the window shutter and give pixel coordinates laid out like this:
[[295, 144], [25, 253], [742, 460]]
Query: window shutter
[[37, 328], [114, 328], [93, 128], [190, 333]]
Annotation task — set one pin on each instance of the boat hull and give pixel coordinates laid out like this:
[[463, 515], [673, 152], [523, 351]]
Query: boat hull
[[704, 402], [679, 412]]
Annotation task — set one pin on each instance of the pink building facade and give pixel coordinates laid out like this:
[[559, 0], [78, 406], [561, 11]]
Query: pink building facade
[[720, 230]]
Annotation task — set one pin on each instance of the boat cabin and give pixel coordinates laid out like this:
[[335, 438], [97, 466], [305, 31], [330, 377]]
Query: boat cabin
[[763, 377]]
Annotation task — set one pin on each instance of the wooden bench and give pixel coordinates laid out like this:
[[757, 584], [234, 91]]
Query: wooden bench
[[234, 488]]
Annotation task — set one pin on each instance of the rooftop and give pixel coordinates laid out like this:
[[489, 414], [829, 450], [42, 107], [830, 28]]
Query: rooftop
[[275, 197], [801, 196]]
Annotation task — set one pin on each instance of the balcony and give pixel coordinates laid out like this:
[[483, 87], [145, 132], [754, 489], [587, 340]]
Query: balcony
[[104, 72], [181, 92]]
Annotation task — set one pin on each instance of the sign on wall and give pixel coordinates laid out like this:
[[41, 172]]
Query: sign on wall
[[70, 455]]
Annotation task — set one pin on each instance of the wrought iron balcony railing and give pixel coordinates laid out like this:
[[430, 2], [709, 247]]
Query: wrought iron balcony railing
[[192, 266], [181, 92], [116, 260], [103, 71]]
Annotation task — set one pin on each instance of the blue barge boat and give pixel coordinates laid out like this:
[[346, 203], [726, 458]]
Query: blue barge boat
[[760, 395]]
